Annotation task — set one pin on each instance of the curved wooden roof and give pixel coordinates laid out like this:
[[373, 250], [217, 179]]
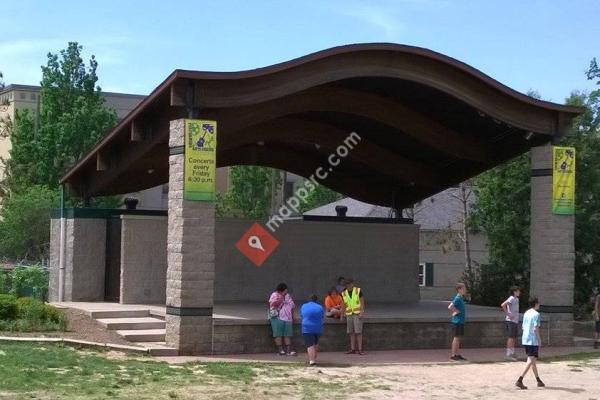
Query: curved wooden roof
[[426, 122]]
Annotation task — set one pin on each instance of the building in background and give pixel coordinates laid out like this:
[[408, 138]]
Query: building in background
[[15, 98], [441, 247]]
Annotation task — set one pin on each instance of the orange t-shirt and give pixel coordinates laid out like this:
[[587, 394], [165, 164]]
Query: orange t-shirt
[[333, 301]]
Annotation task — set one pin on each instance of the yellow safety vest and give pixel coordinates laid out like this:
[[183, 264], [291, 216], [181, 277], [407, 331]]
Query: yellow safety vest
[[352, 303]]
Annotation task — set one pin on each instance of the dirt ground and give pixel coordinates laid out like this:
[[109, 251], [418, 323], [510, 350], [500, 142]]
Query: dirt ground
[[80, 327]]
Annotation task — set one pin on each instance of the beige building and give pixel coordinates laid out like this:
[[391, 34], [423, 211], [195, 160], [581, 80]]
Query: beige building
[[27, 97]]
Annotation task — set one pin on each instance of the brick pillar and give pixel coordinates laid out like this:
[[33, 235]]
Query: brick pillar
[[552, 252], [190, 260]]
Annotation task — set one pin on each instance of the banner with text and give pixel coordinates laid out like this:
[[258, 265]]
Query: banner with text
[[563, 180], [200, 159]]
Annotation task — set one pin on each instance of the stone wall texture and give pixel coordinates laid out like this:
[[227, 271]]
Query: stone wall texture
[[190, 259], [143, 259], [85, 256], [382, 258], [552, 249]]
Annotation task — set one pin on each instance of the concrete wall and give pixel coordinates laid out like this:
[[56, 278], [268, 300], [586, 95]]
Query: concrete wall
[[445, 250], [85, 257], [143, 259], [256, 338], [382, 258]]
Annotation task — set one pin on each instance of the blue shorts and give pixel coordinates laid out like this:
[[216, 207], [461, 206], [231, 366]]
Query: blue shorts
[[281, 328], [532, 351], [311, 339]]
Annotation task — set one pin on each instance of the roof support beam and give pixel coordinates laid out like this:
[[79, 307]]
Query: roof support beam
[[374, 107], [293, 130]]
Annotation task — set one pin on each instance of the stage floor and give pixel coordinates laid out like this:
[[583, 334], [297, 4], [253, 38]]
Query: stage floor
[[255, 313]]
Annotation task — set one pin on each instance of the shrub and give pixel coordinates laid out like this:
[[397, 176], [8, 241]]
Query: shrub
[[30, 281], [8, 307], [29, 314]]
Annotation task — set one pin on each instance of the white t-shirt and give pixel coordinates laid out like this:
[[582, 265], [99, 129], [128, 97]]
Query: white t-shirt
[[512, 309]]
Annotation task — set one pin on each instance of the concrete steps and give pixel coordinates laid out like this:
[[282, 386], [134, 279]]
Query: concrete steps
[[143, 327], [106, 314], [143, 335], [132, 323]]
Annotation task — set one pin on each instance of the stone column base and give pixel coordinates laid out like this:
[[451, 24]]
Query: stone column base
[[558, 331], [191, 335]]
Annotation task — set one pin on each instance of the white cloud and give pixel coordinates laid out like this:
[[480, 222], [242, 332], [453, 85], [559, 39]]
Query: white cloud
[[377, 17]]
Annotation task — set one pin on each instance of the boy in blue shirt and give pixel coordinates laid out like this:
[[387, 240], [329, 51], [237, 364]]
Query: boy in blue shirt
[[532, 341], [312, 314], [457, 308]]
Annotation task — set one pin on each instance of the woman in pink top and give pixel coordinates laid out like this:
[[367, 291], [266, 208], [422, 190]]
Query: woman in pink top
[[281, 311]]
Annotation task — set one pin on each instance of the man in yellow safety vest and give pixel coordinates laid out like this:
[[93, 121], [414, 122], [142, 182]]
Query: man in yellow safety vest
[[353, 308]]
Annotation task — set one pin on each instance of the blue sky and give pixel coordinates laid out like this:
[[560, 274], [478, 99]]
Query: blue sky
[[540, 45]]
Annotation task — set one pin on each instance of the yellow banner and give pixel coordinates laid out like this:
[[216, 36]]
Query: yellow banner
[[200, 159], [563, 180]]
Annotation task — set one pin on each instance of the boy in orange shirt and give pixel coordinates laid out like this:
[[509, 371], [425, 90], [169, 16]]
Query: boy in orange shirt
[[333, 304]]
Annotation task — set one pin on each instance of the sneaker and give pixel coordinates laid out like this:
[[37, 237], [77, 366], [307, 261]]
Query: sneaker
[[360, 353], [540, 383], [312, 363], [281, 352], [351, 352], [461, 358], [511, 358], [291, 353], [455, 358], [520, 385]]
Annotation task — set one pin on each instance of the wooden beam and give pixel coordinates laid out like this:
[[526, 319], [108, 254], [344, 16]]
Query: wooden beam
[[185, 93], [98, 182], [328, 137], [374, 107], [101, 162]]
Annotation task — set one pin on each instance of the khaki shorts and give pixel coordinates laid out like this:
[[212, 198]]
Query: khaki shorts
[[354, 324]]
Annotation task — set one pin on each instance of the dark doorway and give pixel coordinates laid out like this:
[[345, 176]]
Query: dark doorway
[[112, 283]]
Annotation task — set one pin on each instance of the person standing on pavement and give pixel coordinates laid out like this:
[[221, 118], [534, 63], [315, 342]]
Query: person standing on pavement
[[353, 308], [511, 310], [281, 308], [457, 309], [312, 314]]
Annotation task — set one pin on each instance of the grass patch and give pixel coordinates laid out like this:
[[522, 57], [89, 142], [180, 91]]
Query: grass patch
[[232, 371], [584, 356]]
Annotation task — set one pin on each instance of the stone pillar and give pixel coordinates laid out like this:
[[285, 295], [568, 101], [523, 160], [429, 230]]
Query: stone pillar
[[552, 252], [85, 259], [190, 260]]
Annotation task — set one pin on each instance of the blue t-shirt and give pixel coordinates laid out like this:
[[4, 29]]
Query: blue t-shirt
[[459, 304], [312, 314], [531, 320]]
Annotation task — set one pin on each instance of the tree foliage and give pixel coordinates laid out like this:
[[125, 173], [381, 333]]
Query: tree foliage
[[320, 196], [71, 120], [502, 210], [25, 226], [249, 194]]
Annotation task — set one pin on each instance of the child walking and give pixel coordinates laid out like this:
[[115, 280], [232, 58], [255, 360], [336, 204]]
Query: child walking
[[511, 310], [531, 341]]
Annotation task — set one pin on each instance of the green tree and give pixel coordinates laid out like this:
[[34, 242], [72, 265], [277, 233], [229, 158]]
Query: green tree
[[502, 210], [72, 119], [25, 226], [249, 194], [320, 196]]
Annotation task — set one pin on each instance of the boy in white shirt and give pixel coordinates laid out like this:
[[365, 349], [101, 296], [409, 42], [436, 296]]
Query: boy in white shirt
[[531, 341], [511, 310]]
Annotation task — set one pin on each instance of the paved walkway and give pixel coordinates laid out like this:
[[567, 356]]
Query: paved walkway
[[437, 356]]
